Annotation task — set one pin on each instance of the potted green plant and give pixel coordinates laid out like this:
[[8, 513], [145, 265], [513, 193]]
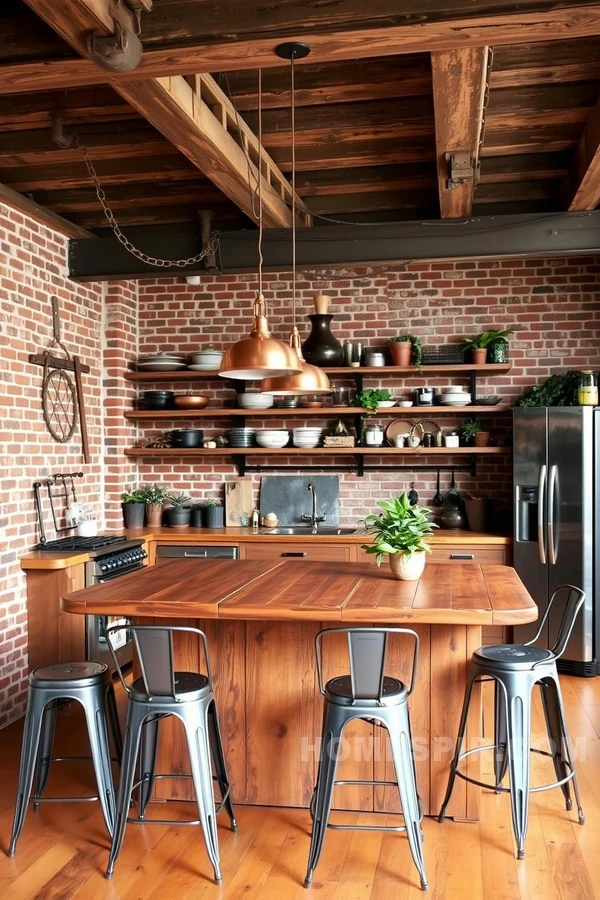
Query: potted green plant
[[473, 432], [178, 514], [400, 532], [133, 506], [479, 343], [214, 514], [370, 399], [404, 348], [197, 519], [155, 496]]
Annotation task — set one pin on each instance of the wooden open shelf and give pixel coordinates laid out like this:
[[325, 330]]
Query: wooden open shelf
[[323, 411], [464, 369], [320, 451]]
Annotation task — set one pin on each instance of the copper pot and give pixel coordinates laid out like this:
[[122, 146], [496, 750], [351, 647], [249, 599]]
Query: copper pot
[[191, 401]]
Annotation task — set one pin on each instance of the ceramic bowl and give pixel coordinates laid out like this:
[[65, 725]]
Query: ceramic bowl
[[405, 403], [385, 404], [255, 401], [191, 401], [272, 439], [210, 358]]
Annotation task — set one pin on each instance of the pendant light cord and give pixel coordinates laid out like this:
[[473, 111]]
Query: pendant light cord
[[293, 86], [260, 203]]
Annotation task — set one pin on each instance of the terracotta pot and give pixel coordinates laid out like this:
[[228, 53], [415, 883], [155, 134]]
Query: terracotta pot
[[482, 439], [401, 352], [154, 515], [407, 568], [479, 357]]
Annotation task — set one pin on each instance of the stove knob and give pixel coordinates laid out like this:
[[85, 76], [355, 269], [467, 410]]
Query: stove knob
[[102, 567]]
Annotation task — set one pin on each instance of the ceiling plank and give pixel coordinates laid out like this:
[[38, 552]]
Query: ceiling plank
[[582, 185], [194, 114], [39, 214], [458, 96], [229, 52]]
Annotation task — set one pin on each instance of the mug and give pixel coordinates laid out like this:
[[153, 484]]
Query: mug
[[424, 396], [413, 440], [400, 440]]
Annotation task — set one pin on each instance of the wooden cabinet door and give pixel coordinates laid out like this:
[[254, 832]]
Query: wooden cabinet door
[[468, 553], [298, 550]]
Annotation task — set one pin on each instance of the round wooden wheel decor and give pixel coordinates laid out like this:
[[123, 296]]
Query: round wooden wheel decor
[[59, 404]]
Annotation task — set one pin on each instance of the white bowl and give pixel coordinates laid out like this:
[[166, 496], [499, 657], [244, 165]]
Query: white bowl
[[385, 404], [306, 444], [255, 401], [405, 403], [208, 357], [272, 440], [308, 430]]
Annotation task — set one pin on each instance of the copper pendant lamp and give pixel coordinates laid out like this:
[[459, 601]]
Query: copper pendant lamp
[[311, 379], [260, 355]]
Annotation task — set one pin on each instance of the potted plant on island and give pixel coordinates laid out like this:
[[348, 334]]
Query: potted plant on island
[[178, 514], [473, 432], [399, 532], [403, 348], [214, 514], [479, 344], [133, 506], [155, 496]]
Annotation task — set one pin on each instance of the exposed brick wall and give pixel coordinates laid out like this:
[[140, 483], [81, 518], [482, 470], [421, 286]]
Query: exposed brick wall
[[554, 306]]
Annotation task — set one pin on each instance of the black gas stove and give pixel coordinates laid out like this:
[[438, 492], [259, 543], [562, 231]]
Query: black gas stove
[[82, 543]]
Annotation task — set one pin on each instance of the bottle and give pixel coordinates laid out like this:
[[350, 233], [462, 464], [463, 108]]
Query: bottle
[[587, 390], [255, 519]]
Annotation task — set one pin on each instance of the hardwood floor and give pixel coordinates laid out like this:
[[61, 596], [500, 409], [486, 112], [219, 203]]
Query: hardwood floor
[[62, 852]]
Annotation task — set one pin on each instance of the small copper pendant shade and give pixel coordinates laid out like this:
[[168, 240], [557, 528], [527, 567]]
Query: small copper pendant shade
[[311, 380], [260, 355]]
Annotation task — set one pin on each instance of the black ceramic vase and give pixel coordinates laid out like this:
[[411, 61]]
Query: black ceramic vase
[[321, 348]]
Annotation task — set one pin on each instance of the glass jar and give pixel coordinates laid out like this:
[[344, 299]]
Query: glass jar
[[587, 389], [451, 439], [373, 435]]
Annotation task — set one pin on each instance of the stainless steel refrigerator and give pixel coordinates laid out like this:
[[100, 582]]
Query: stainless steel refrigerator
[[556, 520]]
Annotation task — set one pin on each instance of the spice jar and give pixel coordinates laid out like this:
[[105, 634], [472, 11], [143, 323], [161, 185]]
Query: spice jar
[[373, 435], [587, 389], [451, 439]]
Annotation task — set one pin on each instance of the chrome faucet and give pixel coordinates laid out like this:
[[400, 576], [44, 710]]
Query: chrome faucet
[[313, 519]]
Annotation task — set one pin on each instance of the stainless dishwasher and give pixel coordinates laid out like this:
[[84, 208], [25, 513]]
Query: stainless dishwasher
[[166, 552]]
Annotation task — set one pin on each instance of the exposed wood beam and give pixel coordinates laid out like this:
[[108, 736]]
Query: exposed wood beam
[[582, 185], [224, 53], [194, 114], [40, 214], [458, 94]]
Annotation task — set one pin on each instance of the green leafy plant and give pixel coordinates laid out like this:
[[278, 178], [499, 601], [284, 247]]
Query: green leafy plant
[[400, 528], [153, 494], [178, 501], [370, 398], [212, 502], [417, 346], [483, 340], [134, 496], [470, 428], [558, 390]]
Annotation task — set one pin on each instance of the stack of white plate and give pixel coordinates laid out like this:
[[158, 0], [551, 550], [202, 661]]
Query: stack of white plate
[[161, 362], [255, 401], [241, 437], [207, 360], [454, 396], [272, 438], [308, 437]]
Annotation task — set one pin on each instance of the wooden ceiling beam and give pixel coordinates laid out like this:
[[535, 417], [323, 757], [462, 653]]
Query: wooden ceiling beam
[[581, 188], [226, 53], [40, 214], [458, 99], [194, 114]]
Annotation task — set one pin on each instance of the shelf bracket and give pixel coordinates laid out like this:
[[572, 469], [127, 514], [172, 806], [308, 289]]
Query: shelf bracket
[[473, 386], [360, 464], [239, 460]]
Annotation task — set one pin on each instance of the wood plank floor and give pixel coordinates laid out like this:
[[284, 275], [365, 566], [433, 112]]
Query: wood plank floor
[[62, 852]]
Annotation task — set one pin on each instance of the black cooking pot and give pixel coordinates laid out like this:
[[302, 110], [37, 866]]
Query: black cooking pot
[[158, 399], [186, 437]]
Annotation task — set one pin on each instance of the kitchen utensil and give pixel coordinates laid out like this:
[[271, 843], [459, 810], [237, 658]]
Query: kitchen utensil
[[191, 401], [58, 393], [375, 359], [38, 508], [404, 403], [85, 444], [451, 517], [186, 437], [451, 439], [398, 426], [340, 396], [311, 404], [208, 357], [385, 404], [157, 399], [161, 362], [438, 499], [413, 495], [452, 497], [348, 352], [273, 439], [424, 396], [399, 440], [488, 400], [288, 402], [428, 439], [416, 435], [239, 501], [374, 436], [255, 401]]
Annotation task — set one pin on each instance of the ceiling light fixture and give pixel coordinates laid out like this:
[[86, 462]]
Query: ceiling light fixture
[[260, 355], [311, 379]]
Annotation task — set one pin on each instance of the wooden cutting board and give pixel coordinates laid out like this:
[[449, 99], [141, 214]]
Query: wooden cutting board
[[239, 501]]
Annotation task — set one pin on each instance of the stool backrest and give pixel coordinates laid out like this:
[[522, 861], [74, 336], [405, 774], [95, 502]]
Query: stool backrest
[[574, 600], [154, 648], [367, 653]]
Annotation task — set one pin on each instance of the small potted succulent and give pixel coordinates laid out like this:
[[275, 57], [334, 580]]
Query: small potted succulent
[[480, 343], [403, 348], [473, 432], [155, 496], [197, 520], [400, 532], [178, 514], [214, 514], [134, 506]]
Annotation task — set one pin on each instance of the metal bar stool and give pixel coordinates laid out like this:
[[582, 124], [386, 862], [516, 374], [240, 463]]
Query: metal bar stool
[[90, 684], [160, 692], [515, 669], [366, 693]]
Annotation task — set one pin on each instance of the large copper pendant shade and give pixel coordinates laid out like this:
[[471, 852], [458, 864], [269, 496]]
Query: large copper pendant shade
[[311, 379]]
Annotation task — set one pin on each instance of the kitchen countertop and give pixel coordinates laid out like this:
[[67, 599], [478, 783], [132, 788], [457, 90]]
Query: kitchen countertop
[[37, 559], [322, 591]]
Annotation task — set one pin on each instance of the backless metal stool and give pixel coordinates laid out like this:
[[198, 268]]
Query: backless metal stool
[[515, 669], [366, 693], [160, 692], [90, 684]]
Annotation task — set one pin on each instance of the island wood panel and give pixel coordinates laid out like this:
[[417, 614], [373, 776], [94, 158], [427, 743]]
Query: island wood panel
[[52, 634]]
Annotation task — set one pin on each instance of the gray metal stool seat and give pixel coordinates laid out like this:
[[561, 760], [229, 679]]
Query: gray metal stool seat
[[90, 684], [161, 692], [366, 694], [515, 669]]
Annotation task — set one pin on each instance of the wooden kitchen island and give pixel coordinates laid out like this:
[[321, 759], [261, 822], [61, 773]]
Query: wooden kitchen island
[[261, 618]]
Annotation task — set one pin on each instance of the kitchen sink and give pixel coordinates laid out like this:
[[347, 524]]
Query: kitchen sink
[[307, 531]]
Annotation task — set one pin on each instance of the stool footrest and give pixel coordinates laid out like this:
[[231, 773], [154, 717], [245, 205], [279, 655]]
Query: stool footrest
[[506, 790]]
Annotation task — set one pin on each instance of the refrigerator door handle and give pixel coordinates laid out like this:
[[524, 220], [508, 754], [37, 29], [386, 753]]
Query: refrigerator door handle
[[552, 546], [540, 522]]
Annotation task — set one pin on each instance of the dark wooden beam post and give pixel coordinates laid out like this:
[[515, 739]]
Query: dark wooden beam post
[[582, 185]]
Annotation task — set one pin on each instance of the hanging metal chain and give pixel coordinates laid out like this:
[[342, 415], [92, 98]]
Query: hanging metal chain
[[208, 250], [486, 100]]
